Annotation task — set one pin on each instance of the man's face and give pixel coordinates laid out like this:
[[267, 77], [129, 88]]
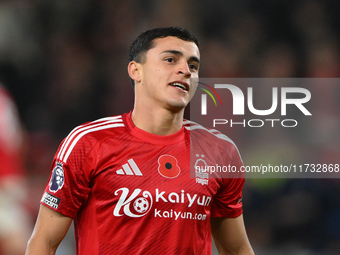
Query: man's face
[[166, 72]]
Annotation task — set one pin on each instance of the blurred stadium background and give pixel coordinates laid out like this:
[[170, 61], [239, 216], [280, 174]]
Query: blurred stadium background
[[64, 63]]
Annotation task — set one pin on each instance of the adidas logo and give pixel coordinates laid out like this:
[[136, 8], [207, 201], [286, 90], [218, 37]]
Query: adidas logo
[[129, 168]]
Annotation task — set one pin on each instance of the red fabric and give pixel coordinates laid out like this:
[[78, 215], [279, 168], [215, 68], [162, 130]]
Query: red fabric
[[111, 178], [10, 137]]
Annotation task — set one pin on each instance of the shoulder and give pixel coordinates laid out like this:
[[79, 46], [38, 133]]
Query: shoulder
[[201, 134], [198, 131], [85, 136]]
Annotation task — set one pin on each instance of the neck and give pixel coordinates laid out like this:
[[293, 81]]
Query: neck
[[157, 121]]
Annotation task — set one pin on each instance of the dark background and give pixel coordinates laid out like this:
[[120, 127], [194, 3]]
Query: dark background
[[65, 63]]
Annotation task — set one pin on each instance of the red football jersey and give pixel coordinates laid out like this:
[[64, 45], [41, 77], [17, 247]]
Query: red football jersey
[[132, 192]]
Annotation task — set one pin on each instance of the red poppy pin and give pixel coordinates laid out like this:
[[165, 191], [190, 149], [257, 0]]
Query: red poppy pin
[[168, 167]]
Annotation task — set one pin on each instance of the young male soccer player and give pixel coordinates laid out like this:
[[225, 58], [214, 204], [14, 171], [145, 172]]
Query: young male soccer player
[[125, 180]]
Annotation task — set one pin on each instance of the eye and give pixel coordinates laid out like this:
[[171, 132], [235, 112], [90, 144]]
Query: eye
[[170, 60], [193, 67]]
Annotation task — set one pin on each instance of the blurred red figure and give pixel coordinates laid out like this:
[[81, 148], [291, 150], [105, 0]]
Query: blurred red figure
[[14, 221]]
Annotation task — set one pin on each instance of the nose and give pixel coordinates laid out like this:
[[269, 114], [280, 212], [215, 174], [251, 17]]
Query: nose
[[184, 69]]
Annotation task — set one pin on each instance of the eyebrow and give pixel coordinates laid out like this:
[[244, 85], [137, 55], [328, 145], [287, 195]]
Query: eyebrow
[[176, 52]]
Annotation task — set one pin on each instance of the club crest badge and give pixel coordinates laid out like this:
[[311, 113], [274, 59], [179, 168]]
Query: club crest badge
[[201, 166], [57, 178]]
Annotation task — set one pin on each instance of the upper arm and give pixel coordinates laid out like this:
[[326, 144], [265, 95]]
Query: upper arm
[[230, 236], [50, 229]]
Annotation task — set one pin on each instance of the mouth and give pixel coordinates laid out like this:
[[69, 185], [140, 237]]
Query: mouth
[[181, 85]]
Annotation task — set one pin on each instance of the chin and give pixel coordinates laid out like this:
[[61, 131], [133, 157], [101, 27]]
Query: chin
[[177, 107]]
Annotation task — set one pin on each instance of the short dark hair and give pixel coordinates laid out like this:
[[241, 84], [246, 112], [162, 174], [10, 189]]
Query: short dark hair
[[145, 41]]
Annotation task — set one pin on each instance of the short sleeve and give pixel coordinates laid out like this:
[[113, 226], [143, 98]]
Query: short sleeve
[[228, 200], [68, 187]]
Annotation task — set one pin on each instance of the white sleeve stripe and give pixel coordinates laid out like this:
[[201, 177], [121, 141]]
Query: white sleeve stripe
[[65, 143], [104, 119], [215, 133], [79, 129], [82, 128], [70, 148], [219, 134]]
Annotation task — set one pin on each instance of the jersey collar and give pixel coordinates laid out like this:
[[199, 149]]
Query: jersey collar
[[152, 138]]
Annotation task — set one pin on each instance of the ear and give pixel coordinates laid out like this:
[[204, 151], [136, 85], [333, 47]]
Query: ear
[[134, 70]]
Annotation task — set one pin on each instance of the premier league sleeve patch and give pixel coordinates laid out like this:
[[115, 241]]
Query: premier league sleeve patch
[[57, 178]]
